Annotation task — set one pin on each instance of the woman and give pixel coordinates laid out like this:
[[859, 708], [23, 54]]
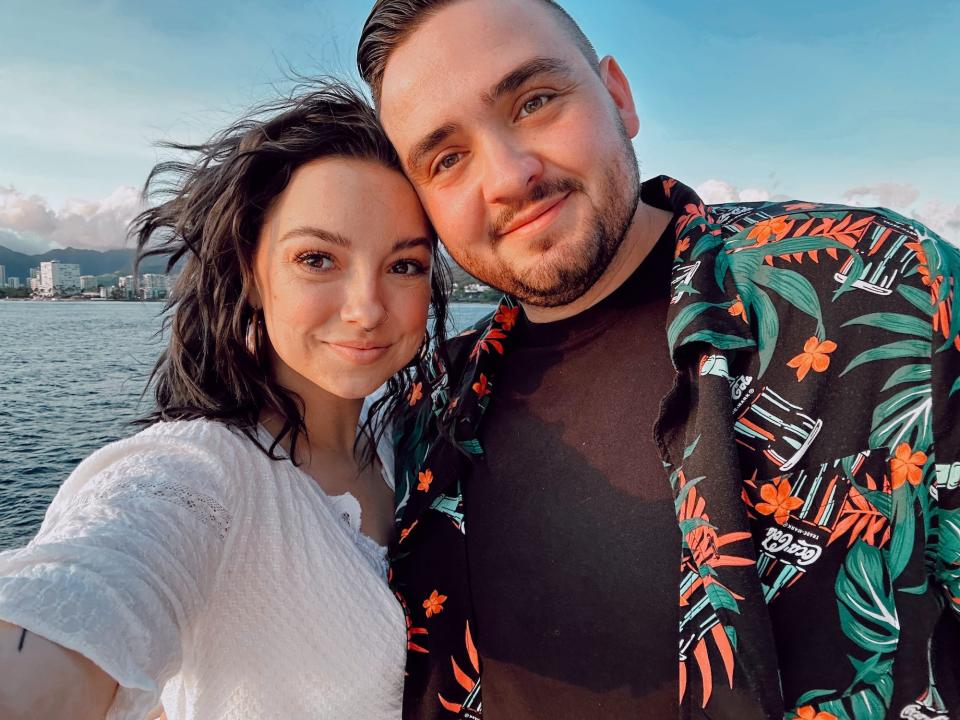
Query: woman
[[229, 559]]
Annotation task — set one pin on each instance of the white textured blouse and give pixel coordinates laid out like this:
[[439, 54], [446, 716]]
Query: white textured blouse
[[198, 572]]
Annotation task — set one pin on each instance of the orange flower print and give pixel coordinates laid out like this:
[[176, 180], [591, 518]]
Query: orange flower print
[[808, 712], [906, 466], [482, 388], [416, 392], [406, 531], [762, 231], [425, 478], [737, 309], [681, 247], [507, 317], [815, 355], [490, 340], [777, 500], [434, 604]]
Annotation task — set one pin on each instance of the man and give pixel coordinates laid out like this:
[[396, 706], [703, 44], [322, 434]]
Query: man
[[763, 392]]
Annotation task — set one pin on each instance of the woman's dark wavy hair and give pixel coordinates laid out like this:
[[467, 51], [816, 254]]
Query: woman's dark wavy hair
[[207, 219]]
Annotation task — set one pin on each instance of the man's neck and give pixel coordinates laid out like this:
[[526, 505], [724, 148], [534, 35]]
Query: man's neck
[[647, 227]]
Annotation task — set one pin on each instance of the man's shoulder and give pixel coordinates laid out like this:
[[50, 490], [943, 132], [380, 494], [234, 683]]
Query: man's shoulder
[[875, 249], [735, 217]]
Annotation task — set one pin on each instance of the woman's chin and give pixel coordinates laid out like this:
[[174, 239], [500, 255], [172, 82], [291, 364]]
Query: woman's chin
[[355, 388]]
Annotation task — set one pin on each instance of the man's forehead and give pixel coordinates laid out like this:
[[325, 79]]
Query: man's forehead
[[456, 55]]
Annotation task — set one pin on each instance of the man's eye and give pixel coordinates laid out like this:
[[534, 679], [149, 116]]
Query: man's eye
[[534, 104], [315, 260], [448, 161], [407, 267]]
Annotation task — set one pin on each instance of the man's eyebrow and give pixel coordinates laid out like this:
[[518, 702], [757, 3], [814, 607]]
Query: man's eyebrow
[[316, 232], [507, 84], [423, 148], [518, 76]]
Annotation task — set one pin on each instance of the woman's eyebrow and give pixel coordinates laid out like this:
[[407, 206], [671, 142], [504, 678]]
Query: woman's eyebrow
[[409, 243], [312, 231]]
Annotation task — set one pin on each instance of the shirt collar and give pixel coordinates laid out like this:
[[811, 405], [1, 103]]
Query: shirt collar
[[703, 309]]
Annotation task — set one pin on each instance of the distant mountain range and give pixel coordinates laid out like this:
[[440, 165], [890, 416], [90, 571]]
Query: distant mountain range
[[91, 262]]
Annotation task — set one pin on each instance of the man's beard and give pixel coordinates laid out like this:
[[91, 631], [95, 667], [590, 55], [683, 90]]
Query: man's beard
[[577, 267]]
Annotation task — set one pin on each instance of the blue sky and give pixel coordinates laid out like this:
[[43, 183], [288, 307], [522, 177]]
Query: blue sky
[[854, 101]]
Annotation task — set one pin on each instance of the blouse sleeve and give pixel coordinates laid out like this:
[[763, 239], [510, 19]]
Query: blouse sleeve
[[123, 563]]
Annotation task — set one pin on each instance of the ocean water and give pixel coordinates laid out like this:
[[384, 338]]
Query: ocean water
[[71, 378]]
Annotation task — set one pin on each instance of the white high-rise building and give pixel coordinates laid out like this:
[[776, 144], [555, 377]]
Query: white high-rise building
[[153, 286], [13, 282], [57, 278], [88, 283], [3, 276]]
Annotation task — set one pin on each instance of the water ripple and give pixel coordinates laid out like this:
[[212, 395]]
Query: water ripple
[[71, 375]]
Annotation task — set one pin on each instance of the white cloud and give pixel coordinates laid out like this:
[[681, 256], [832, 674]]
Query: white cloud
[[93, 224], [884, 194], [23, 213], [943, 218], [715, 191]]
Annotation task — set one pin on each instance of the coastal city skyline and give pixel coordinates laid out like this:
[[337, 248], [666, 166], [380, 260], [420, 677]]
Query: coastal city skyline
[[55, 279], [823, 102]]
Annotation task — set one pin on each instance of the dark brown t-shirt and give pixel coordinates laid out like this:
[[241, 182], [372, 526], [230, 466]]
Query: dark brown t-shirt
[[573, 546]]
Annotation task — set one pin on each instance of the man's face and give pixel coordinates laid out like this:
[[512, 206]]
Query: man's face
[[520, 151]]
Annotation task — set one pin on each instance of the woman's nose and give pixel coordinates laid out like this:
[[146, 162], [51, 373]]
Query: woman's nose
[[363, 305]]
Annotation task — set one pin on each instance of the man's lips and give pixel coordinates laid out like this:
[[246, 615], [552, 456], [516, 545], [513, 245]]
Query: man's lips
[[536, 218], [361, 353]]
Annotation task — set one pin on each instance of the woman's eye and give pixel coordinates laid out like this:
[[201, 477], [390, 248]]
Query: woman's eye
[[534, 104], [316, 261], [407, 267]]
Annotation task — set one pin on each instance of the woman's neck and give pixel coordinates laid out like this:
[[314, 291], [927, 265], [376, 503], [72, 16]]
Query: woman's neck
[[330, 421]]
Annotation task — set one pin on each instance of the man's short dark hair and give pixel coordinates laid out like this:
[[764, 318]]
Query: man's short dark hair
[[393, 21]]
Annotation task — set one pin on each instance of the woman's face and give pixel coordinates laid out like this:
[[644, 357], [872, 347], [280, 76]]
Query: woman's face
[[342, 271]]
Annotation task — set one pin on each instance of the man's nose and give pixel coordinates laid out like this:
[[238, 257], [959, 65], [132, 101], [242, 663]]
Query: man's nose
[[510, 169], [363, 303]]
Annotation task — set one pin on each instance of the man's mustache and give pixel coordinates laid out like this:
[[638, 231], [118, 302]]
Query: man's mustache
[[541, 191]]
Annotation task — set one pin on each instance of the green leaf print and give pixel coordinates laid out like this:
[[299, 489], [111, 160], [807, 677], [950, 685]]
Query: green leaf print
[[812, 695], [948, 555], [721, 341], [768, 327], [684, 491], [903, 523], [707, 244], [894, 322], [868, 614], [898, 349], [795, 289], [871, 670], [918, 298], [685, 317], [917, 373], [906, 415], [720, 598]]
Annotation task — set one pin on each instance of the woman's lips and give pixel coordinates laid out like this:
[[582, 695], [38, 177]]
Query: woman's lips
[[359, 353]]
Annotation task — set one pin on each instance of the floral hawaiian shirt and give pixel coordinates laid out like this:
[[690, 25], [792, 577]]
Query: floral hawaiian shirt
[[812, 440]]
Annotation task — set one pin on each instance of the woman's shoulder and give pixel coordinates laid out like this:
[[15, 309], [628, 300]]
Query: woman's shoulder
[[189, 441], [202, 454]]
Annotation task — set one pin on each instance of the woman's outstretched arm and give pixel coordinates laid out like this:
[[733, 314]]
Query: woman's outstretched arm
[[40, 679]]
